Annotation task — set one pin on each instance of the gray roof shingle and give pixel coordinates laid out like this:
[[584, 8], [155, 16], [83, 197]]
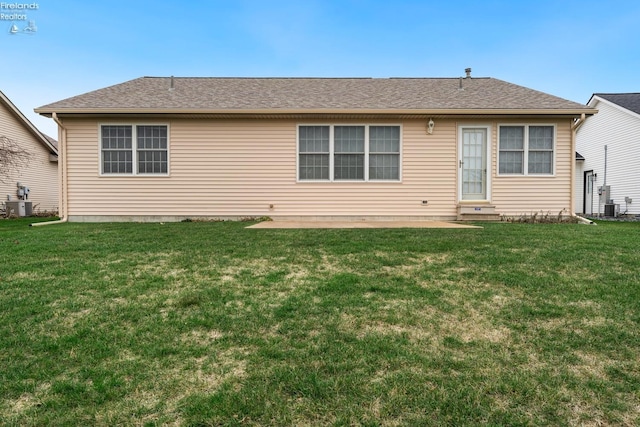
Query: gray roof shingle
[[630, 101], [201, 94]]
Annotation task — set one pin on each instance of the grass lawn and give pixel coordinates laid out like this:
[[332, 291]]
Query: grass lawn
[[201, 324]]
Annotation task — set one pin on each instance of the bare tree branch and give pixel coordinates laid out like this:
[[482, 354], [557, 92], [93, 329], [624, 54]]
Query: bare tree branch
[[12, 158]]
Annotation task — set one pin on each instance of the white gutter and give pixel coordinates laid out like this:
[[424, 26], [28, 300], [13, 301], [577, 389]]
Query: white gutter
[[307, 111], [62, 175]]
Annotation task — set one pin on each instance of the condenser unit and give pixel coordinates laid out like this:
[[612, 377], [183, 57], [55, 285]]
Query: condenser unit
[[19, 208]]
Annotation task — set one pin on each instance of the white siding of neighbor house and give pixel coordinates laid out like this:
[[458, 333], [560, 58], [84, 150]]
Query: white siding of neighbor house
[[247, 168], [40, 175], [619, 130]]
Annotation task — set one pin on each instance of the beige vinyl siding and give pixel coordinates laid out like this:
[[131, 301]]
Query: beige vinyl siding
[[429, 165], [40, 175], [525, 195], [239, 168]]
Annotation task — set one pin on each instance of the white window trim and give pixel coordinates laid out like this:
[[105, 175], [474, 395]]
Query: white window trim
[[134, 148], [332, 153], [525, 166]]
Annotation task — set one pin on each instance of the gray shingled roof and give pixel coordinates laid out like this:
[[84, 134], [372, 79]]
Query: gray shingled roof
[[51, 140], [154, 94], [630, 101]]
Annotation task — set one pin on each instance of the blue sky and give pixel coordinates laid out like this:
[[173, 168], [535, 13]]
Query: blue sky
[[566, 48]]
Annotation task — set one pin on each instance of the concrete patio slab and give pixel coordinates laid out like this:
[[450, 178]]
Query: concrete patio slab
[[360, 224]]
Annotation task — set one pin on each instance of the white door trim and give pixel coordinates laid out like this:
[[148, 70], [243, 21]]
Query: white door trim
[[488, 160]]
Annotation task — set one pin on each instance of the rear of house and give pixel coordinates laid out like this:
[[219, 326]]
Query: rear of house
[[38, 171], [161, 149]]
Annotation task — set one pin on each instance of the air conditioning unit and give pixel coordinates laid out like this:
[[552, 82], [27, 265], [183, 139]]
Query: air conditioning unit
[[19, 208], [611, 210]]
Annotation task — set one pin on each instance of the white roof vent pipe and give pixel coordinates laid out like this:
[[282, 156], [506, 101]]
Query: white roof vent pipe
[[468, 71]]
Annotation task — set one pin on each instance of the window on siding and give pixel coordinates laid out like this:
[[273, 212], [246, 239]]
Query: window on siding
[[314, 153], [511, 149], [384, 152], [152, 149], [526, 150], [540, 150], [150, 155], [116, 149], [348, 158], [348, 153]]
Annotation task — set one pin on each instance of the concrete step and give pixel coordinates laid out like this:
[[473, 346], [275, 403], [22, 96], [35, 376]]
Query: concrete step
[[479, 217], [477, 212]]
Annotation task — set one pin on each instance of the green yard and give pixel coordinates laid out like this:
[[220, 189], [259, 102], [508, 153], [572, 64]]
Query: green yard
[[201, 324]]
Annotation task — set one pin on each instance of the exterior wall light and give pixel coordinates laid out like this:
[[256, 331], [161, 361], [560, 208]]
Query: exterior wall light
[[430, 126]]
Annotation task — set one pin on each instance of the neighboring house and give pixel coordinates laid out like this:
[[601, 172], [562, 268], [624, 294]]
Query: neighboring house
[[40, 173], [161, 149], [616, 127]]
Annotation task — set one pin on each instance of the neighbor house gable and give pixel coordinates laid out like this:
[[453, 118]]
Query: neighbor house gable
[[39, 171], [47, 142], [628, 103]]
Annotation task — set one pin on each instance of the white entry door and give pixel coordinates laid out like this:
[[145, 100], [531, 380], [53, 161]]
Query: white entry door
[[589, 178], [473, 164]]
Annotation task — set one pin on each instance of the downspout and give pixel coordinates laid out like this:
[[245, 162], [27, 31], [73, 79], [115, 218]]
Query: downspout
[[574, 128], [62, 175]]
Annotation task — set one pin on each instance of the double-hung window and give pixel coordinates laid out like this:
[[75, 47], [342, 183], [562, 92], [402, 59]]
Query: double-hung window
[[384, 152], [349, 153], [134, 149], [348, 157], [313, 142], [540, 150], [526, 150]]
